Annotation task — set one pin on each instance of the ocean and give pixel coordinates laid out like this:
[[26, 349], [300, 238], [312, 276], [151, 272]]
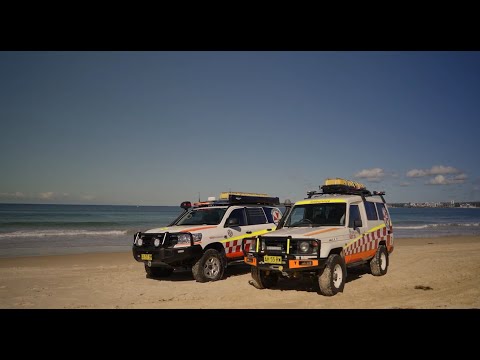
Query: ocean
[[32, 229]]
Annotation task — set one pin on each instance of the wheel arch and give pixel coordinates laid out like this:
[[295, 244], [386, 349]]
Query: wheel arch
[[216, 246], [338, 251]]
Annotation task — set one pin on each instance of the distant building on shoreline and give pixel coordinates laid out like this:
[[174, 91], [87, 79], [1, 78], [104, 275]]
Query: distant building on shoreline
[[451, 204]]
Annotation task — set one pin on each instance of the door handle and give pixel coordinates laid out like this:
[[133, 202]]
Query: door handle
[[249, 232]]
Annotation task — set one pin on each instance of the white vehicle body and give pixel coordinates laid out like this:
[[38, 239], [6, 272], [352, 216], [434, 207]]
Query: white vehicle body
[[342, 226], [206, 237]]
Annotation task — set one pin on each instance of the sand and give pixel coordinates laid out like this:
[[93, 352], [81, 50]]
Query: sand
[[424, 273]]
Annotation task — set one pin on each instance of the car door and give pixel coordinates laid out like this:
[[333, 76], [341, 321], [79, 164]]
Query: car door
[[257, 221]]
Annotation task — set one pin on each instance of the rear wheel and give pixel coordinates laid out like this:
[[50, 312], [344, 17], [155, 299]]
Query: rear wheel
[[210, 267], [379, 263], [154, 272], [332, 279], [262, 279]]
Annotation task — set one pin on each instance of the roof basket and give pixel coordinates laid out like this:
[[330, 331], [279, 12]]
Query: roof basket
[[239, 198], [341, 186], [344, 189], [249, 199]]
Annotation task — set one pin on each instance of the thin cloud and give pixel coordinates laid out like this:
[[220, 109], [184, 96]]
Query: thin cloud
[[434, 170], [46, 195], [442, 170], [460, 177], [375, 174], [15, 195], [405, 184], [442, 180], [416, 173], [50, 195]]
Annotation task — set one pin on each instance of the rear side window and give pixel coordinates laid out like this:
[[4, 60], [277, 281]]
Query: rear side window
[[371, 211], [354, 215], [380, 208], [255, 216], [238, 214]]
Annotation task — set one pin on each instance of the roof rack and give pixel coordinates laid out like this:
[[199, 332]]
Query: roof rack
[[240, 198], [344, 187]]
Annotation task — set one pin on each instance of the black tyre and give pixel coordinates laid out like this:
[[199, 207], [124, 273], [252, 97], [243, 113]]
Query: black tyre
[[156, 272], [332, 278], [210, 267], [262, 279], [379, 263]]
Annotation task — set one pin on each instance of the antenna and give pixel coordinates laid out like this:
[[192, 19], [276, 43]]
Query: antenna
[[199, 197]]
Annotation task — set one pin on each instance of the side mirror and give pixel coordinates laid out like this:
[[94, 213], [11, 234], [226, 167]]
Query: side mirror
[[232, 222], [357, 224]]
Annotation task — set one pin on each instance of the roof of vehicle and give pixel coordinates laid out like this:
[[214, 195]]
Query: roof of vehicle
[[331, 198]]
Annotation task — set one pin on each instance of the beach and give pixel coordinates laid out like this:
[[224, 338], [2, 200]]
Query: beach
[[424, 273]]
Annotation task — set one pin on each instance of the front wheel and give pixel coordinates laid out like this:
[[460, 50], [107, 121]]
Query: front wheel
[[332, 279], [210, 267], [379, 263], [262, 279]]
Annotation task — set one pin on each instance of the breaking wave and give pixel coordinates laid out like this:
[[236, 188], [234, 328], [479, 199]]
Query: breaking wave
[[433, 226], [40, 233]]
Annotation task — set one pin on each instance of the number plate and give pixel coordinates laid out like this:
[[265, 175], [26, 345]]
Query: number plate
[[146, 257], [272, 259]]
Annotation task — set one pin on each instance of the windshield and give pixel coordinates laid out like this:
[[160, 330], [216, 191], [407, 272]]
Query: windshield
[[312, 215], [202, 216]]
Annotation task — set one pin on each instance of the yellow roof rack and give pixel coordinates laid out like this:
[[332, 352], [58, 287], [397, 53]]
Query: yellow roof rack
[[344, 182], [225, 195]]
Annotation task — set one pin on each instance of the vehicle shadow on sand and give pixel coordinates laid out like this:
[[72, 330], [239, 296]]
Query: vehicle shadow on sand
[[311, 284], [186, 274]]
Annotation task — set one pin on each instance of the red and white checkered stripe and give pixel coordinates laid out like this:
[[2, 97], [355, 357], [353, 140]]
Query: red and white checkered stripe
[[236, 246], [369, 241]]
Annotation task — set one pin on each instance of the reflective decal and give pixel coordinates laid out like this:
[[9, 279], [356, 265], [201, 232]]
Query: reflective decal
[[276, 215]]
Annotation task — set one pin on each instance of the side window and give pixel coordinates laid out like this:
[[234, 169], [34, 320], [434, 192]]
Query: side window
[[354, 215], [273, 214], [371, 211], [380, 208], [255, 216], [239, 215]]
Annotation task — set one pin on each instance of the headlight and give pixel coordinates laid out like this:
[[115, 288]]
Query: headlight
[[139, 241], [183, 239], [304, 246], [156, 242], [197, 236]]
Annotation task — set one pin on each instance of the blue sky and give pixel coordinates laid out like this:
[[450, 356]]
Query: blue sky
[[158, 128]]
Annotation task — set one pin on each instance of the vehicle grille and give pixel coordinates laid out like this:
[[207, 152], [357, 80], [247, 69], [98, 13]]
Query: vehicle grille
[[170, 240], [278, 245]]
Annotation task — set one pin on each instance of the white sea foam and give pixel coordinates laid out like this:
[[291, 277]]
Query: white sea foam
[[41, 233], [429, 226]]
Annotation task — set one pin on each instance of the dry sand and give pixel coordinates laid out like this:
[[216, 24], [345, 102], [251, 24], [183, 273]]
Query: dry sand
[[434, 273]]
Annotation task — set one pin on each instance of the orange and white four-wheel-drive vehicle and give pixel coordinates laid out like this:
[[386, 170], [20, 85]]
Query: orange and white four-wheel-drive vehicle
[[342, 225], [207, 236]]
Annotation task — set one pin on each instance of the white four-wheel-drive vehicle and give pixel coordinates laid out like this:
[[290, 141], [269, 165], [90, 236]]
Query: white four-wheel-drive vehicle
[[207, 236], [342, 225]]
